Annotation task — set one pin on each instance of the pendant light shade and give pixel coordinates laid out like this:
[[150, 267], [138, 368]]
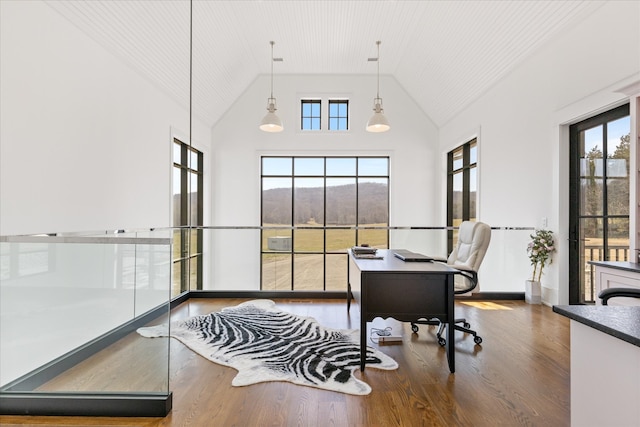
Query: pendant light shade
[[378, 122], [271, 122]]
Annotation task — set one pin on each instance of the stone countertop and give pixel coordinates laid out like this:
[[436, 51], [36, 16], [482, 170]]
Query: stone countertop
[[617, 321], [618, 265]]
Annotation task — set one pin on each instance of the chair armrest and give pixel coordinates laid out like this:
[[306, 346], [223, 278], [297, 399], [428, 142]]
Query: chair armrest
[[470, 274], [605, 294], [463, 268], [439, 259]]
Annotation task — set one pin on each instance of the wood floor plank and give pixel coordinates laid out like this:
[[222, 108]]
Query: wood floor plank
[[518, 377]]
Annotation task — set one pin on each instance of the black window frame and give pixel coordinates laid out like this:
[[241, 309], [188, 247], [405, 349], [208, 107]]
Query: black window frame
[[184, 222], [311, 117], [576, 268], [359, 235], [465, 170], [338, 117]]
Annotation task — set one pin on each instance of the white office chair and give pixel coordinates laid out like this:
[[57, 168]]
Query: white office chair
[[470, 249]]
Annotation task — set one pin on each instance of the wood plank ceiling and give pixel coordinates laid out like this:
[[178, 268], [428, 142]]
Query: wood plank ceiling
[[445, 54]]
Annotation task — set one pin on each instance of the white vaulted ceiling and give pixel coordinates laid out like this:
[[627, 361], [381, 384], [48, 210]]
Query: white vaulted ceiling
[[445, 54]]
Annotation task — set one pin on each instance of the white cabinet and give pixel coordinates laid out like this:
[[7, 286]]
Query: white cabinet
[[605, 393], [605, 365], [614, 276]]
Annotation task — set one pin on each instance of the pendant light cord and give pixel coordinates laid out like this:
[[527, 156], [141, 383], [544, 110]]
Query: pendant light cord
[[272, 43], [378, 61], [190, 70]]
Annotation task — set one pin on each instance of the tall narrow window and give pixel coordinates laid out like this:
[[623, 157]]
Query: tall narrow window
[[310, 109], [599, 197], [462, 164], [324, 198], [338, 114], [187, 211]]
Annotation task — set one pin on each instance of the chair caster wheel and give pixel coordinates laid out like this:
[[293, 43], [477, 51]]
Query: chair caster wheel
[[414, 328], [477, 339], [442, 342]]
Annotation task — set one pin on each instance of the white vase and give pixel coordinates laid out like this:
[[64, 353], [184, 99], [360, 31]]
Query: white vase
[[532, 292]]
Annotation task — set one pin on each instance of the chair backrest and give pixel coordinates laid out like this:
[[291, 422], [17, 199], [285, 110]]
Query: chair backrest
[[470, 249]]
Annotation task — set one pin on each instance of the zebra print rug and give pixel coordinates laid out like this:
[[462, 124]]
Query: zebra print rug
[[265, 343]]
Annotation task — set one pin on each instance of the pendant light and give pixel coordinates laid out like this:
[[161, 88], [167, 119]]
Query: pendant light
[[378, 122], [271, 122]]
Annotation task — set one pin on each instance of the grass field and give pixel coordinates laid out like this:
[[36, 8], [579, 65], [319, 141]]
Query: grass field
[[308, 240], [309, 268]]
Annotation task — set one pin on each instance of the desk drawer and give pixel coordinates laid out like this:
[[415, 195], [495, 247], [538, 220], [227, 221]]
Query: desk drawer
[[404, 296]]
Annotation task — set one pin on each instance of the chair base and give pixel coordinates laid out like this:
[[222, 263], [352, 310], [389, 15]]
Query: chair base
[[465, 327]]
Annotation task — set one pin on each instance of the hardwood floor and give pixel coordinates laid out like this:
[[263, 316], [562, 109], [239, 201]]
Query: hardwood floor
[[518, 377]]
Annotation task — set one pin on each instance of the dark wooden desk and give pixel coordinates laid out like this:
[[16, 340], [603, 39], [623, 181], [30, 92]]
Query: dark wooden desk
[[406, 291]]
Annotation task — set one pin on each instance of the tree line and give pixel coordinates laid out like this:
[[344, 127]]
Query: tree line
[[307, 205]]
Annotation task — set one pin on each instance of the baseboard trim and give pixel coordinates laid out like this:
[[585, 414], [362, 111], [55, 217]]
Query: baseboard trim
[[504, 296], [269, 294], [88, 405]]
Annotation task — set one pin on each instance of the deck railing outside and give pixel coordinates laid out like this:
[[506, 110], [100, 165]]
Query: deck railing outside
[[597, 253]]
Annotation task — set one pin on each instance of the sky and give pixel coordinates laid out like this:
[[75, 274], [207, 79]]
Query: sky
[[615, 129], [339, 167]]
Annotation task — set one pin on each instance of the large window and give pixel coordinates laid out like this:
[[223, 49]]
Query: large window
[[324, 198], [462, 165], [187, 211], [599, 195]]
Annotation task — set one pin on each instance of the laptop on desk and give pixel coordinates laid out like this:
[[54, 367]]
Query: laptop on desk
[[408, 256]]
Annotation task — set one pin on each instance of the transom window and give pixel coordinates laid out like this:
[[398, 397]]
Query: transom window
[[338, 114], [311, 114]]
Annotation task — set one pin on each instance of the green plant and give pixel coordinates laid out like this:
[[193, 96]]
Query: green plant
[[540, 250]]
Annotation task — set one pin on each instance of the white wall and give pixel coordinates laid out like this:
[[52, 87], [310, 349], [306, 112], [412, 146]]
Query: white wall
[[523, 147], [85, 144], [238, 144], [84, 139]]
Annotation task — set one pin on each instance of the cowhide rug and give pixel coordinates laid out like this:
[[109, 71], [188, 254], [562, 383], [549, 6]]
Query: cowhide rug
[[265, 343]]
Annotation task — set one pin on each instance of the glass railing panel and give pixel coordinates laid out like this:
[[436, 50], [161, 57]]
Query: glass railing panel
[[308, 272], [504, 268], [506, 264], [340, 239], [231, 258], [68, 294], [276, 272], [425, 240], [152, 264], [373, 235], [336, 272], [265, 258]]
